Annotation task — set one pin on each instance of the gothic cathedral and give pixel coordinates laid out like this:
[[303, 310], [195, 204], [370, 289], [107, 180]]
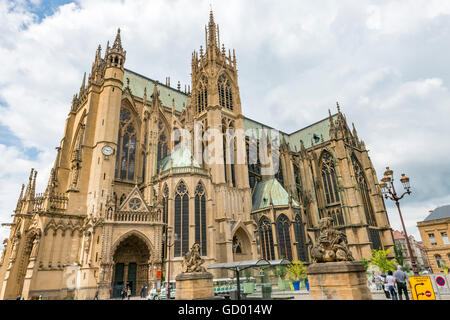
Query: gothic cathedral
[[127, 197]]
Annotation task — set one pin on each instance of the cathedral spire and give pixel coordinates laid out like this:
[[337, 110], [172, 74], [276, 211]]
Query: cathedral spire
[[33, 187], [30, 183], [19, 201], [118, 42], [115, 56], [83, 85], [211, 33]]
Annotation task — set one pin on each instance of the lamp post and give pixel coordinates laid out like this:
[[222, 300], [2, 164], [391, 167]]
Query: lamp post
[[388, 189], [168, 246]]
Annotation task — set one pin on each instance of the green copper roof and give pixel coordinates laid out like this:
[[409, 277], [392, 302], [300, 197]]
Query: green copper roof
[[166, 94], [181, 157], [268, 191], [139, 82], [319, 129]]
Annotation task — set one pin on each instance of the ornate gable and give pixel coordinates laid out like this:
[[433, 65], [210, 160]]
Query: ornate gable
[[134, 202]]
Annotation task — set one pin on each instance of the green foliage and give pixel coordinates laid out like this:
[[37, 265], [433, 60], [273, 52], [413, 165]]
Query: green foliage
[[296, 271], [365, 263], [280, 271], [398, 253], [379, 258]]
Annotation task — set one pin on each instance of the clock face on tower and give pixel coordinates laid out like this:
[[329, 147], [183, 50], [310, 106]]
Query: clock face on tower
[[107, 150]]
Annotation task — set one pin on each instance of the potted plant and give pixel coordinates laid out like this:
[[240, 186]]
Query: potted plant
[[306, 283], [297, 272], [281, 273]]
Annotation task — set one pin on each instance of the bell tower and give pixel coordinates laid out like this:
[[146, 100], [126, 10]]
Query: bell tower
[[216, 104], [106, 128]]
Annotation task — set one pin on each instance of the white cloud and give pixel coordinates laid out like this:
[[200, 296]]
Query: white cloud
[[382, 60]]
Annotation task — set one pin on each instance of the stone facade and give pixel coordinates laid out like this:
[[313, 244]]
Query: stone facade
[[120, 182], [434, 231]]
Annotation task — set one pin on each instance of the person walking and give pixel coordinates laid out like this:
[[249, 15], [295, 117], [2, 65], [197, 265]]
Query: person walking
[[129, 293], [144, 290], [390, 283], [400, 279], [96, 295], [384, 286], [123, 293]]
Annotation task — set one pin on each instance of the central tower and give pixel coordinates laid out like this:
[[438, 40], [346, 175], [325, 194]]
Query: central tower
[[216, 104]]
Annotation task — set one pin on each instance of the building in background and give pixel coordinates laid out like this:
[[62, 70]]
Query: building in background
[[120, 184], [417, 248], [435, 230]]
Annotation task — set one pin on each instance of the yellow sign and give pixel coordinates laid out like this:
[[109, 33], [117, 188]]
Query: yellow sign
[[422, 288]]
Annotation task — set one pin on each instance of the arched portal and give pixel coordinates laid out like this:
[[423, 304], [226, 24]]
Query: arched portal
[[131, 265], [241, 246]]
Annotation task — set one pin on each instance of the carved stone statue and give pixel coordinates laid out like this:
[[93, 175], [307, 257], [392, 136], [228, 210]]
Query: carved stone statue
[[332, 244], [15, 247], [35, 246], [193, 261]]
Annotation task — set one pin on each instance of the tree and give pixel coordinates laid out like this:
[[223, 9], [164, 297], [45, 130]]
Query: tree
[[379, 258], [398, 253], [296, 271]]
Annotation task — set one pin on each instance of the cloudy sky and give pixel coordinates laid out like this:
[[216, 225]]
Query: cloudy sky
[[386, 62]]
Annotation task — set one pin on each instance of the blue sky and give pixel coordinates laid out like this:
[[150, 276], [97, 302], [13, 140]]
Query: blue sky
[[386, 62], [42, 8]]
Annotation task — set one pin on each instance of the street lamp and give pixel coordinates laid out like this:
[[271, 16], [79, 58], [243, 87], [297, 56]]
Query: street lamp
[[388, 189], [168, 246]]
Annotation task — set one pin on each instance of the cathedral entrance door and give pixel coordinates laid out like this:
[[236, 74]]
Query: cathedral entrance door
[[132, 278], [118, 279], [131, 259]]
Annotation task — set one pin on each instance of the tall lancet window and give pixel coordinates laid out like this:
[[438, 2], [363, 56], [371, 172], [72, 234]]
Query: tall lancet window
[[254, 166], [181, 219], [298, 181], [202, 95], [300, 239], [225, 93], [229, 151], [200, 218], [165, 216], [266, 238], [284, 237], [333, 204], [126, 147], [162, 145], [364, 191]]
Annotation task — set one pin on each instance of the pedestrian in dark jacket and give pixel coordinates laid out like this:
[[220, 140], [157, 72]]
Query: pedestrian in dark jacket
[[400, 280]]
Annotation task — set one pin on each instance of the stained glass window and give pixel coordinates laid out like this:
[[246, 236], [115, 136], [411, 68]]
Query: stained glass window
[[266, 238], [300, 239], [364, 191], [284, 237], [200, 218], [126, 147], [181, 219], [331, 191]]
